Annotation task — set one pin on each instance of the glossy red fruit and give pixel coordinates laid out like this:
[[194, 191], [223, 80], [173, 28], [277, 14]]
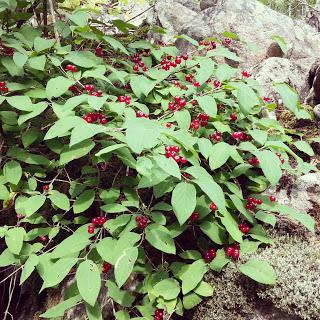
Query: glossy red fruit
[[89, 87], [45, 187], [197, 84], [246, 74], [273, 198], [194, 217], [233, 117], [229, 251], [210, 255], [168, 125], [103, 120], [236, 254], [106, 267], [183, 160], [217, 83], [136, 68], [259, 201], [91, 229], [71, 68], [43, 238], [121, 98], [213, 206]]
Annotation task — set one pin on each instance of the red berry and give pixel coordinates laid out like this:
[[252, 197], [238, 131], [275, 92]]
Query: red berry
[[194, 217], [3, 84], [136, 68], [43, 238], [168, 125], [106, 267], [213, 206], [273, 198], [197, 84], [259, 201], [121, 98], [229, 251], [246, 74], [89, 87], [45, 187], [217, 83], [103, 120], [183, 160], [71, 68], [91, 229], [185, 57], [233, 117]]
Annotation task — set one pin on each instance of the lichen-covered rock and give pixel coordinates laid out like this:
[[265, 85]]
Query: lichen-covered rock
[[296, 295]]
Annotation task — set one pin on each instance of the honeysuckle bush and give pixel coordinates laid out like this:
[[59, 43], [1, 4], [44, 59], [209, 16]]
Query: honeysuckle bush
[[130, 164]]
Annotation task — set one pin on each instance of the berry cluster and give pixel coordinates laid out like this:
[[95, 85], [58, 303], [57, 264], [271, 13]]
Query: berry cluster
[[99, 52], [96, 222], [253, 202], [92, 117], [246, 74], [210, 44], [142, 222], [216, 136], [177, 104], [227, 42], [140, 114], [239, 135], [281, 159], [266, 99], [125, 99], [254, 161], [217, 83], [166, 63], [210, 255], [194, 217], [106, 267], [90, 88], [201, 120], [172, 152], [158, 314], [233, 251], [6, 51], [244, 228], [3, 87], [71, 68], [213, 207], [139, 65], [233, 117], [179, 85]]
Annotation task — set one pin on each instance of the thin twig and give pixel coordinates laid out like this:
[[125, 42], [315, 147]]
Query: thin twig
[[54, 20]]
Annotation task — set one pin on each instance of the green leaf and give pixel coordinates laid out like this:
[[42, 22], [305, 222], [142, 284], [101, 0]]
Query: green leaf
[[84, 131], [160, 238], [94, 313], [232, 226], [84, 201], [219, 155], [85, 59], [124, 265], [183, 201], [183, 119], [225, 72], [214, 232], [62, 126], [56, 87], [281, 42], [259, 271], [59, 309], [30, 137], [144, 166], [60, 200], [142, 134], [110, 149], [219, 261], [33, 204], [14, 239], [168, 289], [190, 255], [75, 152], [20, 59], [37, 109], [208, 105], [37, 63], [8, 258], [115, 44], [54, 273], [192, 275], [246, 96], [289, 97], [141, 85], [88, 281], [4, 193], [28, 267], [304, 147], [191, 300], [71, 245], [41, 44], [205, 147], [270, 165], [12, 172], [205, 181], [11, 67], [206, 70], [122, 297], [168, 165], [204, 289], [266, 217]]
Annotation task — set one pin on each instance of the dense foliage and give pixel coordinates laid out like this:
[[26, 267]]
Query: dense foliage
[[132, 164]]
